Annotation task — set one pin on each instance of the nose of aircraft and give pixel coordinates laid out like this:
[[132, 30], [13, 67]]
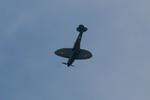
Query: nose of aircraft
[[81, 28]]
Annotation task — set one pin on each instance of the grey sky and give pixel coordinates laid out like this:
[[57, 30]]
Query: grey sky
[[118, 37]]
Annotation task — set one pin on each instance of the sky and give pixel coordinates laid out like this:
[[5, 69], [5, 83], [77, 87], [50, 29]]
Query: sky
[[118, 36]]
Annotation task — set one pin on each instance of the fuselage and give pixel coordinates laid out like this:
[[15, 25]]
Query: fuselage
[[76, 49]]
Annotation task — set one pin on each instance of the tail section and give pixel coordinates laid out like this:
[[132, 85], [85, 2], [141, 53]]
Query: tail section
[[81, 28]]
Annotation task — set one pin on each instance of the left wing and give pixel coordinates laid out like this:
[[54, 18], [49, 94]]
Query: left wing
[[64, 52]]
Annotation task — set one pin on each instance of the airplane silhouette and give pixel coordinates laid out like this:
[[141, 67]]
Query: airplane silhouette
[[75, 53]]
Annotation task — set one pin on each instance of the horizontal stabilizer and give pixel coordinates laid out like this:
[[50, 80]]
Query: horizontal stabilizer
[[81, 28]]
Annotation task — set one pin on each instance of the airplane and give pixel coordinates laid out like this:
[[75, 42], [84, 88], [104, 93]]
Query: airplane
[[75, 53]]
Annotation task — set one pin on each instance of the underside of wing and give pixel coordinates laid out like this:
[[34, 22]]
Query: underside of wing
[[83, 54], [64, 52]]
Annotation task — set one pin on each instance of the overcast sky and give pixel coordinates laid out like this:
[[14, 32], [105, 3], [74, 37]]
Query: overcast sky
[[118, 36]]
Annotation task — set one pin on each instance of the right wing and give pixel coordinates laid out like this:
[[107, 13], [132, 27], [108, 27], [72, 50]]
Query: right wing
[[64, 52], [83, 54]]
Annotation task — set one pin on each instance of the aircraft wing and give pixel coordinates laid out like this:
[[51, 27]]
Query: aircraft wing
[[64, 52], [83, 54]]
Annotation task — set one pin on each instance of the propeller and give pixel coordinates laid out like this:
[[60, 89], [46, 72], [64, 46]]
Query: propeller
[[67, 64]]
